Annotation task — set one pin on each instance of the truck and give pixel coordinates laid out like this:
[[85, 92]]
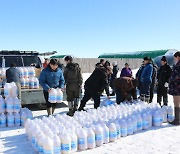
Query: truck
[[26, 59]]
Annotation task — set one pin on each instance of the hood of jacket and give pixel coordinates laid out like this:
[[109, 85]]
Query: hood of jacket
[[72, 66]]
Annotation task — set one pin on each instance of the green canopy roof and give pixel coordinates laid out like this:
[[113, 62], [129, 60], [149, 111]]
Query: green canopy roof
[[137, 54], [58, 56]]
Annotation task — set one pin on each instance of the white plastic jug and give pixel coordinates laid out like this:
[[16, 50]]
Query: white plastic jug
[[36, 83], [10, 120], [56, 145], [129, 126], [156, 118], [21, 72], [14, 90], [139, 122], [2, 120], [31, 72], [118, 128], [2, 105], [17, 104], [52, 96], [25, 72], [82, 139], [23, 82], [170, 113], [59, 95], [31, 83], [134, 121], [65, 143], [112, 132], [7, 90], [9, 104], [98, 135], [164, 111], [48, 146], [145, 124], [17, 119], [105, 134], [74, 141], [40, 141], [23, 118], [27, 82], [123, 128], [90, 138]]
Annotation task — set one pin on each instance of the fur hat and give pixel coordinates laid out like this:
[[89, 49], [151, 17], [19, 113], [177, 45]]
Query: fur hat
[[147, 58], [163, 58]]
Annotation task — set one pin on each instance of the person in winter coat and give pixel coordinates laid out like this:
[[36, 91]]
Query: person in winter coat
[[95, 85], [73, 80], [113, 76], [154, 76], [146, 79], [126, 71], [51, 77], [138, 76], [125, 88], [13, 75], [174, 88], [164, 73]]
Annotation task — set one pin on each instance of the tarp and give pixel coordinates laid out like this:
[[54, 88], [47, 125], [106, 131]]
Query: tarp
[[137, 54], [58, 56]]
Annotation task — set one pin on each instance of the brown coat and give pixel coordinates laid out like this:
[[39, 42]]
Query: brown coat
[[125, 85]]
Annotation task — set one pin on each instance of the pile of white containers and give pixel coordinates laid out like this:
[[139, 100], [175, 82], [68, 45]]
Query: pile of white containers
[[11, 113], [55, 95], [86, 130], [28, 78]]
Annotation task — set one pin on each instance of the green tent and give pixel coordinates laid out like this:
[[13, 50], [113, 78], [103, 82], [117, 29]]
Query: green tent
[[137, 54]]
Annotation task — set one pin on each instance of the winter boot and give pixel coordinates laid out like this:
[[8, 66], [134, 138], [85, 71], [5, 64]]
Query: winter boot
[[177, 116], [53, 108], [165, 101], [70, 105], [49, 111]]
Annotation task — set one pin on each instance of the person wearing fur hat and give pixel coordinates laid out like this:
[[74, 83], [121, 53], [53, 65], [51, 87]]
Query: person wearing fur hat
[[146, 80], [174, 88], [163, 75]]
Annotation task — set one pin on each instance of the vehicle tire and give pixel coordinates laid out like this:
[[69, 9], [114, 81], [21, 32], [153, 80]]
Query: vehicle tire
[[41, 106]]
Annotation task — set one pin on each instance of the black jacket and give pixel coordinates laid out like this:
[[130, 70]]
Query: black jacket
[[163, 75], [12, 75], [97, 82], [72, 74]]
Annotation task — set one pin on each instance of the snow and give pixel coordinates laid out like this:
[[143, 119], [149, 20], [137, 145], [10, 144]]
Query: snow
[[164, 139]]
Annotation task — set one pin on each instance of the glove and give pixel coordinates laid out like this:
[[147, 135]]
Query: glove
[[166, 85]]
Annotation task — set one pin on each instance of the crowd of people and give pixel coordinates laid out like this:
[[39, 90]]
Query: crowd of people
[[124, 86]]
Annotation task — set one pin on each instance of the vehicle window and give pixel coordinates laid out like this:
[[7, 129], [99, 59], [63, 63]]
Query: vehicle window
[[29, 60], [13, 59]]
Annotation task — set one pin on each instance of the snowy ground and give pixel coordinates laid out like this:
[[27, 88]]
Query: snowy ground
[[165, 139]]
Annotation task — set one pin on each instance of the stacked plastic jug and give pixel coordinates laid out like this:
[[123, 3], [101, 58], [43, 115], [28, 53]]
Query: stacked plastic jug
[[10, 108], [55, 95], [28, 78], [86, 130]]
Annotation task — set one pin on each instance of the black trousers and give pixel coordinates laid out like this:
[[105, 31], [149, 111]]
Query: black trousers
[[151, 92], [88, 94], [162, 93], [46, 96]]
